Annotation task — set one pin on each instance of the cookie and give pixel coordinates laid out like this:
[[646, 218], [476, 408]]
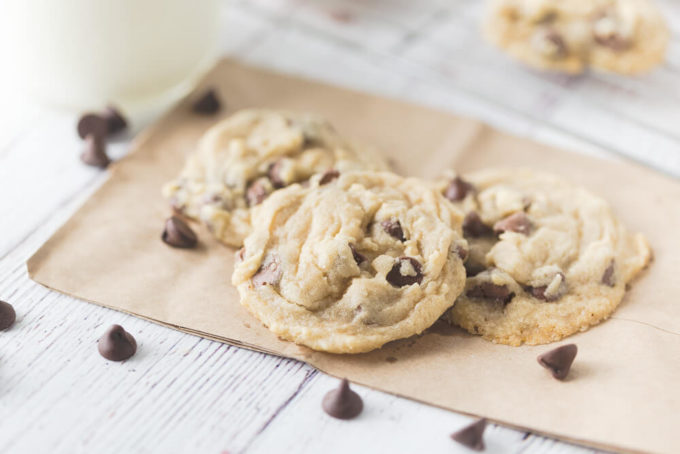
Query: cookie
[[350, 264], [622, 36], [546, 258], [243, 159]]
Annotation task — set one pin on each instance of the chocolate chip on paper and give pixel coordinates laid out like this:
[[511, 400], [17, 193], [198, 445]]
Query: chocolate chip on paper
[[7, 315], [559, 360], [177, 233], [342, 403], [117, 344], [471, 436], [208, 103], [94, 153]]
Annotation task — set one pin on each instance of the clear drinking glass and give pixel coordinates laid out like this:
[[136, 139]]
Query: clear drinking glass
[[84, 54]]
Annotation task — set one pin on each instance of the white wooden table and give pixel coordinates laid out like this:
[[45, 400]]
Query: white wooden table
[[181, 393]]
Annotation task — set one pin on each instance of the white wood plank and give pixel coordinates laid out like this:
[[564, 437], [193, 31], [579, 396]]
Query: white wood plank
[[181, 393]]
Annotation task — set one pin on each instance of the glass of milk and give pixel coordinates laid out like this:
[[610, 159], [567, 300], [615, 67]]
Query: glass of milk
[[84, 54]]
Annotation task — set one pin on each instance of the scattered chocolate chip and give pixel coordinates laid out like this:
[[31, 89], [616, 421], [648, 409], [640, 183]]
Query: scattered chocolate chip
[[391, 359], [342, 403], [94, 153], [471, 436], [274, 174], [208, 104], [115, 121], [414, 275], [240, 254], [328, 176], [474, 227], [92, 124], [517, 222], [269, 272], [358, 257], [488, 290], [256, 192], [117, 344], [458, 189], [7, 315], [559, 360], [393, 228], [177, 233], [109, 122], [608, 276]]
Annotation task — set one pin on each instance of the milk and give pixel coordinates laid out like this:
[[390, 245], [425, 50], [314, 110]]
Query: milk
[[83, 54]]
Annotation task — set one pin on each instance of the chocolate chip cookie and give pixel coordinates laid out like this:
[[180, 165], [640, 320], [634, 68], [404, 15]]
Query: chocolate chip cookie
[[352, 262], [623, 36], [546, 258], [243, 159]]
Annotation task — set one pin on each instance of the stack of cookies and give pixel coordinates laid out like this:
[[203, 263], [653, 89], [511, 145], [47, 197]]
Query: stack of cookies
[[343, 256]]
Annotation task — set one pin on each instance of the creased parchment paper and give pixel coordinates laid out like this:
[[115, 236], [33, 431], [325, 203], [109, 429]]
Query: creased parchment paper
[[624, 389]]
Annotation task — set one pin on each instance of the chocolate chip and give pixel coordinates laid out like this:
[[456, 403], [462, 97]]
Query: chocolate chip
[[208, 104], [541, 292], [358, 257], [256, 192], [412, 276], [269, 272], [517, 222], [342, 403], [606, 33], [461, 252], [115, 121], [550, 43], [7, 315], [474, 227], [458, 189], [274, 174], [117, 344], [473, 268], [471, 436], [94, 153], [559, 360], [177, 233], [328, 176], [560, 46], [614, 42], [110, 122], [393, 228], [488, 290], [92, 124], [240, 254], [608, 277]]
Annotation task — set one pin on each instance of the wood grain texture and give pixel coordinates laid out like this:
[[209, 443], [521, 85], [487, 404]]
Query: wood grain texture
[[181, 393]]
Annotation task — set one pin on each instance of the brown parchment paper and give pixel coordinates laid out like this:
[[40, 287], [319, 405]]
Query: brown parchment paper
[[624, 389]]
